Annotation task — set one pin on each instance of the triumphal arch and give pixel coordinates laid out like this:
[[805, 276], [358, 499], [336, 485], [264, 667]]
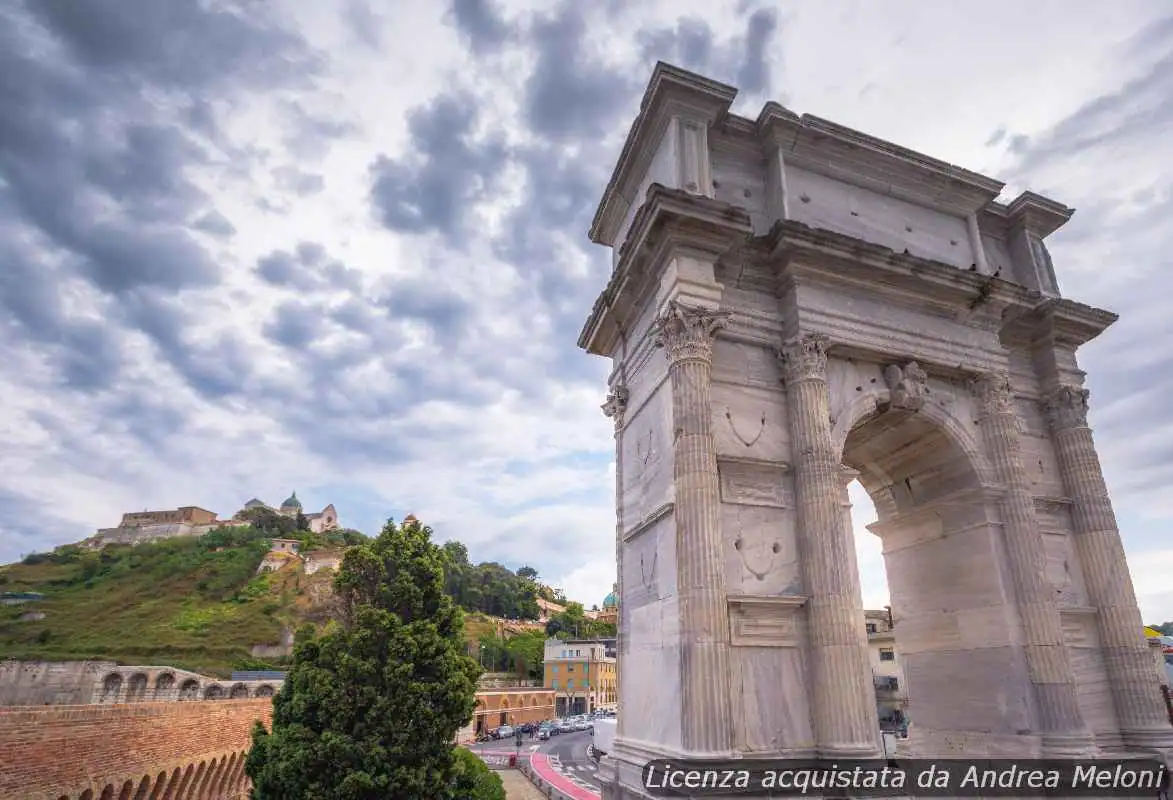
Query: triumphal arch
[[795, 305]]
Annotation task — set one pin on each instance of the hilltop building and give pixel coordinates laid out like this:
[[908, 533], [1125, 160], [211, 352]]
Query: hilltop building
[[137, 527], [319, 521]]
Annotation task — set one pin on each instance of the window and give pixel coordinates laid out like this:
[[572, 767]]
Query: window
[[554, 668], [886, 654], [570, 668], [554, 684], [871, 627]]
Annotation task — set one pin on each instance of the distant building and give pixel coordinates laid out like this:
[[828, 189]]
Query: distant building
[[137, 527], [547, 609], [610, 612], [582, 673], [319, 521], [887, 671]]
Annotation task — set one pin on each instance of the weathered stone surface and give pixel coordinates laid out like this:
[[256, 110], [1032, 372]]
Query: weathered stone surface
[[903, 298]]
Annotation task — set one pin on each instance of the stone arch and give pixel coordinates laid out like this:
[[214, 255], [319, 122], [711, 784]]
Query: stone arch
[[869, 404], [225, 777], [189, 689], [144, 788], [160, 785], [164, 685], [237, 779], [197, 780], [171, 788], [108, 792], [88, 794], [264, 690], [239, 692], [127, 789], [201, 790], [180, 792], [111, 688], [214, 691], [136, 690]]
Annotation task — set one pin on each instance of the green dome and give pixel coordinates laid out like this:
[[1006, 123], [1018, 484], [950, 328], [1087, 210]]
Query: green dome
[[611, 601], [292, 502]]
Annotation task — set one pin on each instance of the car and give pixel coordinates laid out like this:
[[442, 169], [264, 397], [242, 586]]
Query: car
[[504, 732], [543, 734]]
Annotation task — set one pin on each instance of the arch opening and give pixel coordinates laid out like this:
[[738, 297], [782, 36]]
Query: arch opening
[[111, 688], [189, 689], [164, 685], [136, 690], [935, 550]]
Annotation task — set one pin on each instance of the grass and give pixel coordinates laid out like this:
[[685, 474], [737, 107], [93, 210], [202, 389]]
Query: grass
[[194, 603]]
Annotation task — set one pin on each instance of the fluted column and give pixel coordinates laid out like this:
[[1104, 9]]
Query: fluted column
[[843, 700], [1137, 697], [686, 333], [616, 408], [1048, 660]]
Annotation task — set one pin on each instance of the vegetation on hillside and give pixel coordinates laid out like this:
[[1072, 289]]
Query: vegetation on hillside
[[192, 602], [197, 603], [489, 587], [371, 707], [574, 623], [1166, 628]]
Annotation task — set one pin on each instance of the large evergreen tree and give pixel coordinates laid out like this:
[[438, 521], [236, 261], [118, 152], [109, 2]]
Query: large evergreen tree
[[370, 709]]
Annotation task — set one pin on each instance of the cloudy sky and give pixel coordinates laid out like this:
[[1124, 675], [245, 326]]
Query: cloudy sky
[[248, 247]]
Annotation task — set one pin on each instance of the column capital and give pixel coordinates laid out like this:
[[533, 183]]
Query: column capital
[[616, 405], [993, 393], [1065, 408], [687, 332], [804, 358]]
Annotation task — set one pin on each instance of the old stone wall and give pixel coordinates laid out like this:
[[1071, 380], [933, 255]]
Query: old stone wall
[[174, 750]]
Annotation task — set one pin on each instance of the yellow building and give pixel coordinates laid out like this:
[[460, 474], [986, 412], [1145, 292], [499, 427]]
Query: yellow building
[[582, 674]]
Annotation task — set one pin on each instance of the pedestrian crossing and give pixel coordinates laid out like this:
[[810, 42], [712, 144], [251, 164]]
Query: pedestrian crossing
[[581, 774]]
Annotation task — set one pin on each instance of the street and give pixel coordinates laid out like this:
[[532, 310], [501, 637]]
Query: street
[[567, 753]]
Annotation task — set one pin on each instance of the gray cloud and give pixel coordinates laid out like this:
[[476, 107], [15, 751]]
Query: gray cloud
[[297, 182], [480, 23]]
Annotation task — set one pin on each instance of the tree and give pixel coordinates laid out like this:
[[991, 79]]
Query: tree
[[301, 522], [528, 572], [371, 706], [474, 780]]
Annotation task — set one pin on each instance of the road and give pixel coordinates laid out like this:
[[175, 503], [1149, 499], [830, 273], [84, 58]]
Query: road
[[567, 752]]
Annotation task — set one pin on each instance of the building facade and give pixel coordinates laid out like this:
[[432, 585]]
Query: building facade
[[582, 673], [887, 671]]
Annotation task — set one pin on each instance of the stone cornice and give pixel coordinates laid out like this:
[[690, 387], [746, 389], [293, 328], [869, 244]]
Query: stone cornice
[[1066, 323], [668, 217], [670, 91], [1040, 215], [839, 152]]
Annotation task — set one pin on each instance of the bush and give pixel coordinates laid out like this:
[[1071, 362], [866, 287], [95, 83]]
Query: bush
[[473, 780]]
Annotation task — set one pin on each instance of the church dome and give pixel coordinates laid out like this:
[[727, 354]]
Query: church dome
[[292, 502], [611, 601]]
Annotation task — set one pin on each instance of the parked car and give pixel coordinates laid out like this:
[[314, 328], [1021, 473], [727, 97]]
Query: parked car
[[543, 734], [504, 732]]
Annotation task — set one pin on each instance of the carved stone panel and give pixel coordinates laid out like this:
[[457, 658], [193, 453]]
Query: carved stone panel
[[649, 562], [760, 621], [742, 364], [749, 423], [760, 551], [647, 457], [755, 483]]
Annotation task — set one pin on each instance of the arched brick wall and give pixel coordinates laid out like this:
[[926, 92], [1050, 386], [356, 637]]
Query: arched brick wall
[[139, 751]]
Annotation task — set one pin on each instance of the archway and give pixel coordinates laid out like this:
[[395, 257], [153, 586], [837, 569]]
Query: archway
[[214, 692], [136, 690], [164, 685], [239, 692], [189, 689], [264, 690], [111, 688], [943, 560]]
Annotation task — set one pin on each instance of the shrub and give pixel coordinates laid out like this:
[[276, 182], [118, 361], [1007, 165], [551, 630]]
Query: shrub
[[473, 780]]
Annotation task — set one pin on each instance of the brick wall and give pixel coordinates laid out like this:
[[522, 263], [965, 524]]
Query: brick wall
[[123, 752]]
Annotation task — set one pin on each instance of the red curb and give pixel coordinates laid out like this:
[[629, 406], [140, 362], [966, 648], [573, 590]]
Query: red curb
[[540, 764]]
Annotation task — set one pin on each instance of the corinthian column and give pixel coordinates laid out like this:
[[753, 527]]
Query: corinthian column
[[687, 335], [616, 408], [1048, 660], [844, 703], [1137, 697]]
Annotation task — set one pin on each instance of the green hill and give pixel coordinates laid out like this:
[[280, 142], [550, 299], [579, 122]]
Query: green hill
[[197, 602]]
